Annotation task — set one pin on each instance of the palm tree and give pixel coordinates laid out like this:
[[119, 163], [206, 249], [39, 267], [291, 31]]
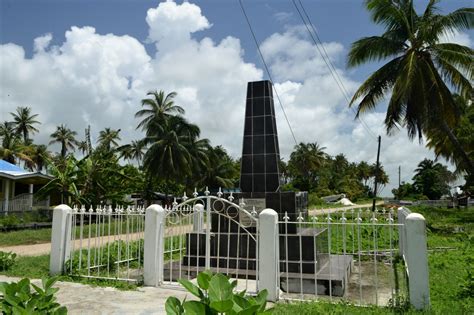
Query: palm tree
[[219, 171], [422, 70], [12, 147], [39, 156], [464, 132], [431, 179], [305, 161], [157, 109], [24, 122], [168, 154], [137, 148], [133, 151], [66, 137], [83, 146], [364, 172], [108, 138]]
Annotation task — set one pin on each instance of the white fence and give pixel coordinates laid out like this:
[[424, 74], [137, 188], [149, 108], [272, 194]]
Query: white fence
[[358, 256], [349, 255], [23, 202], [99, 242]]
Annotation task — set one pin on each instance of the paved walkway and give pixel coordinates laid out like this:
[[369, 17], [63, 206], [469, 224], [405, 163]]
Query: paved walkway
[[85, 299], [340, 209], [45, 248]]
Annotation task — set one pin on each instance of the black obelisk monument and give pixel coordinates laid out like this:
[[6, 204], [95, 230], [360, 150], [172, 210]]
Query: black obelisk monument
[[259, 173], [260, 152]]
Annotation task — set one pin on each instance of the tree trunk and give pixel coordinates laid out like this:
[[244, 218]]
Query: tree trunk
[[458, 147]]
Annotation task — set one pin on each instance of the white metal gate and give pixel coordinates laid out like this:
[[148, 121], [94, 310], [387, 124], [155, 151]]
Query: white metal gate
[[211, 233]]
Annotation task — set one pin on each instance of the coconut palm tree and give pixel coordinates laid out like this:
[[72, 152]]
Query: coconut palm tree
[[305, 161], [464, 132], [82, 146], [66, 137], [432, 179], [219, 171], [108, 138], [137, 148], [133, 151], [24, 122], [168, 154], [364, 172], [157, 109], [40, 156], [422, 71], [12, 147], [7, 131]]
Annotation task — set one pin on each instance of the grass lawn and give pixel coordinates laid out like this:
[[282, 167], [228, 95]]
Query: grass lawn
[[25, 237], [37, 267], [451, 256], [38, 236]]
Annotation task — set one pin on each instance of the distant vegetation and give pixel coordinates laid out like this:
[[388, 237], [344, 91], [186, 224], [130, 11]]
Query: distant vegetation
[[431, 181], [170, 158]]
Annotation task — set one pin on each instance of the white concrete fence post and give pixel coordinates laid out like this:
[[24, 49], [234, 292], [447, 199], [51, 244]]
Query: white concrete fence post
[[269, 254], [198, 218], [154, 245], [416, 256], [401, 230], [60, 239]]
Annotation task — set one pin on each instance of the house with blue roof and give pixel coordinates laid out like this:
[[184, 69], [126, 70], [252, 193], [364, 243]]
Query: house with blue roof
[[18, 187]]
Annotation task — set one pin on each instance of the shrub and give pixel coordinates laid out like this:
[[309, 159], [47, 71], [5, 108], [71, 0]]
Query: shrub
[[6, 260], [18, 298], [314, 200], [9, 221], [215, 293]]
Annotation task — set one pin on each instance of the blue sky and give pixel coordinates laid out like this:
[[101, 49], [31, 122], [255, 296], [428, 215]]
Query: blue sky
[[84, 62], [343, 21]]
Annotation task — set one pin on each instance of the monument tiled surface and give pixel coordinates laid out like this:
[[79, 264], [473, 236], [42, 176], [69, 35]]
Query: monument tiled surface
[[260, 151]]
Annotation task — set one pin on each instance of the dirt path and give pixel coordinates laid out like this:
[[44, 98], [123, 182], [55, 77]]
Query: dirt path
[[333, 210], [45, 248]]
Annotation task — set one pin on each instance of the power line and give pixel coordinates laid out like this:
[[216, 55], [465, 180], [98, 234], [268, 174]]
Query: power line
[[322, 51], [267, 69]]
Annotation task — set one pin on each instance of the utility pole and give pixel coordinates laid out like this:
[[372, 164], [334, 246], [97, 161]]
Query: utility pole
[[399, 175], [377, 166]]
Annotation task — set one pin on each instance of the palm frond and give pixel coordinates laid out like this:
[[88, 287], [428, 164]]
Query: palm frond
[[389, 13], [459, 56], [455, 78], [375, 87], [374, 48]]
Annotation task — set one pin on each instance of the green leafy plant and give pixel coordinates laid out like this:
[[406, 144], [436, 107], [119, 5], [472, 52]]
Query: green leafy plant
[[6, 260], [216, 296], [10, 221], [19, 298]]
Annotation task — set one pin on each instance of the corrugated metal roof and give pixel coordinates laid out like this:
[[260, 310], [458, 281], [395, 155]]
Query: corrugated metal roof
[[13, 172], [9, 167]]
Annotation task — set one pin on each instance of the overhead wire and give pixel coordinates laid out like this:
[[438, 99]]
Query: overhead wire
[[267, 70], [323, 52]]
